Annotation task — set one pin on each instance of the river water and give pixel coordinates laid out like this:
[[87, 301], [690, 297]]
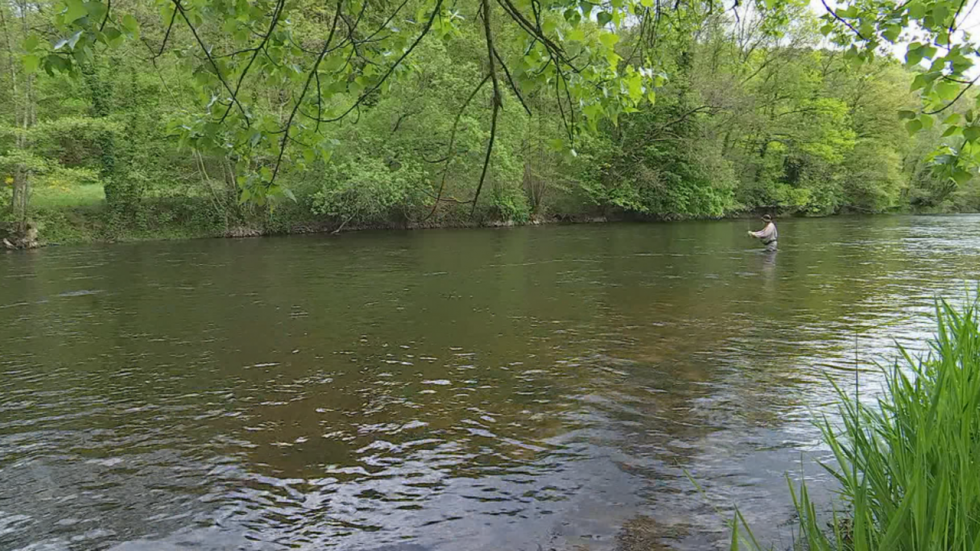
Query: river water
[[514, 389]]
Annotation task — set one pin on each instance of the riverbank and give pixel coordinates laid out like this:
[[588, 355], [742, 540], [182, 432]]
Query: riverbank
[[176, 218], [86, 219]]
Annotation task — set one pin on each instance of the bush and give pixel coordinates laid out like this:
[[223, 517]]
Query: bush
[[365, 190], [509, 204]]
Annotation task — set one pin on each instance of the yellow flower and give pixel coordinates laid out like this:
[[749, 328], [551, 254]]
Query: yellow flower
[[9, 181]]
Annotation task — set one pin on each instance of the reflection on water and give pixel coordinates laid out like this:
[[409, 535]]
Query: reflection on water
[[531, 389]]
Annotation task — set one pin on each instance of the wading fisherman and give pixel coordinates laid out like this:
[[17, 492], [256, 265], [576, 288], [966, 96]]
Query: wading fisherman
[[767, 234]]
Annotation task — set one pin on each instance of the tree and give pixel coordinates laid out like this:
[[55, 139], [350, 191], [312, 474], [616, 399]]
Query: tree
[[938, 48], [20, 162], [238, 48], [384, 113]]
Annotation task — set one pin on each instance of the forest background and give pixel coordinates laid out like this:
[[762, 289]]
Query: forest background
[[748, 113]]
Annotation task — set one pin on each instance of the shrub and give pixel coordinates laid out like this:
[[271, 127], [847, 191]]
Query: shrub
[[366, 190]]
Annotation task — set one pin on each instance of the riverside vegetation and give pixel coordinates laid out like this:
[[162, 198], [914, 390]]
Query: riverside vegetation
[[907, 468], [209, 117]]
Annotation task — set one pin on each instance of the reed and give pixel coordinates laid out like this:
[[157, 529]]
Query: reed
[[908, 468]]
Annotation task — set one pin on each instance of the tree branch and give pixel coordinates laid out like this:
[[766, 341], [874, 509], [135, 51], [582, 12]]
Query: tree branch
[[364, 95], [108, 9], [510, 80], [387, 21], [842, 20], [265, 39], [207, 53], [952, 27], [954, 100], [316, 66], [536, 31], [452, 144], [496, 103], [166, 36]]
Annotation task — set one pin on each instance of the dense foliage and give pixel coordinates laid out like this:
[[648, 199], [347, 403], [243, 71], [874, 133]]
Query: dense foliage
[[211, 117]]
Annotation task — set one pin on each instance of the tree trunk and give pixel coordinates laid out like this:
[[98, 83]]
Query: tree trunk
[[23, 118]]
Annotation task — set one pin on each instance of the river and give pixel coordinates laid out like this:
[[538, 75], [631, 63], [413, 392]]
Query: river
[[509, 389]]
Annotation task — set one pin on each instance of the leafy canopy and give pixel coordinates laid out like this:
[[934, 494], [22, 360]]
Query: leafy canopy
[[942, 52]]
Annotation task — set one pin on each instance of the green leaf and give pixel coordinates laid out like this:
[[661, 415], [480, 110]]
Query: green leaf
[[951, 131], [952, 119], [635, 86], [593, 110], [549, 25], [913, 126], [31, 63], [609, 39], [56, 64], [947, 90], [647, 3], [112, 35], [289, 193], [891, 32], [918, 83], [905, 114], [31, 43], [130, 25], [971, 133], [913, 55], [926, 121], [961, 176], [603, 18], [75, 11]]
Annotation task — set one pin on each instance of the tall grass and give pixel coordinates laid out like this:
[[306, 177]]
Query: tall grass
[[909, 469]]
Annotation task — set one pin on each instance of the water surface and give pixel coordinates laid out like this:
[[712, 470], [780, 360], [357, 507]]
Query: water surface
[[525, 389]]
